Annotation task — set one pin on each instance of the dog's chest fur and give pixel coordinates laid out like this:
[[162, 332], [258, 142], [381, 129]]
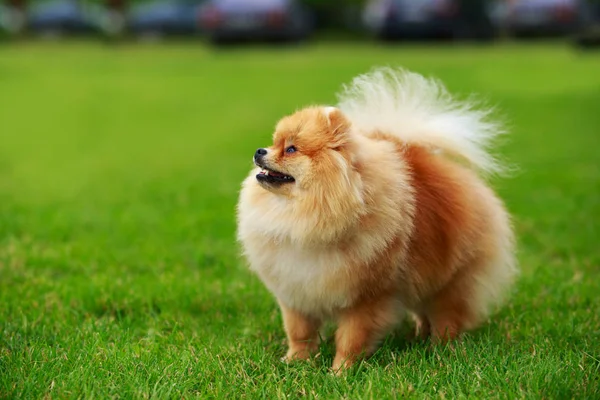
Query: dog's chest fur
[[314, 281]]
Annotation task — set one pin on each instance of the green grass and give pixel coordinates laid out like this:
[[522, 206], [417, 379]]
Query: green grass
[[119, 270]]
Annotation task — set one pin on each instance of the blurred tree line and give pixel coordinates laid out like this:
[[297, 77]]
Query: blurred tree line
[[335, 14]]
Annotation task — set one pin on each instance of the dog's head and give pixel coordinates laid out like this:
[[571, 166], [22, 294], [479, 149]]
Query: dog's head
[[310, 147], [312, 165]]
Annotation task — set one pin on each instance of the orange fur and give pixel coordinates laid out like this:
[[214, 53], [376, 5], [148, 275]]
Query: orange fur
[[302, 331], [372, 227]]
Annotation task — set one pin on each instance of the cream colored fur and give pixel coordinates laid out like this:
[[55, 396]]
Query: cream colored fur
[[420, 110]]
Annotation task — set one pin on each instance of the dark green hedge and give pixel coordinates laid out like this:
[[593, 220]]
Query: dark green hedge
[[335, 14]]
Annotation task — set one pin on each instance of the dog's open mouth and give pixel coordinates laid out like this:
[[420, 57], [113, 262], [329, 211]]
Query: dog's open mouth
[[270, 176]]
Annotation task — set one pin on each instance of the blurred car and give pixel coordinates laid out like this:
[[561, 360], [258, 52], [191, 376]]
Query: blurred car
[[225, 20], [541, 17], [165, 18], [59, 17], [394, 19]]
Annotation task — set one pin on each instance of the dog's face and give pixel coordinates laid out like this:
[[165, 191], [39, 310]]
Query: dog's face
[[309, 147], [307, 186]]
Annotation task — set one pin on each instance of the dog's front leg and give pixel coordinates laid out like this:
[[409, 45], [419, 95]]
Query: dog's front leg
[[361, 328], [302, 332]]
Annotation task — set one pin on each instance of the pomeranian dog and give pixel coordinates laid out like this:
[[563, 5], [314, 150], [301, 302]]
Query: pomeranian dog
[[364, 212]]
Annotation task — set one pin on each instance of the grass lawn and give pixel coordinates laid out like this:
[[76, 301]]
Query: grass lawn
[[119, 270]]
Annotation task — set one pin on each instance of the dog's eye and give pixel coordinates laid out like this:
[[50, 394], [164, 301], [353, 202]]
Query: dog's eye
[[291, 149]]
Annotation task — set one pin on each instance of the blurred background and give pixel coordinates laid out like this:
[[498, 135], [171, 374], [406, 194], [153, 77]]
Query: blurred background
[[291, 21]]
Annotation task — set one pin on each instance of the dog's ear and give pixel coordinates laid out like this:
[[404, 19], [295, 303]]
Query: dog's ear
[[337, 121]]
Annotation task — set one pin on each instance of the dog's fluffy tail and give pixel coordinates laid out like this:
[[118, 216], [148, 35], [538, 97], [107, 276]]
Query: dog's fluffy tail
[[421, 111]]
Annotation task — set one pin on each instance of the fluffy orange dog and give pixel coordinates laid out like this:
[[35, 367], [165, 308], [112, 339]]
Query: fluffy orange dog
[[362, 212]]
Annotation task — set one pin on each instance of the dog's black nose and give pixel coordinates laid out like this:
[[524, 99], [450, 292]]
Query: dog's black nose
[[260, 153]]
